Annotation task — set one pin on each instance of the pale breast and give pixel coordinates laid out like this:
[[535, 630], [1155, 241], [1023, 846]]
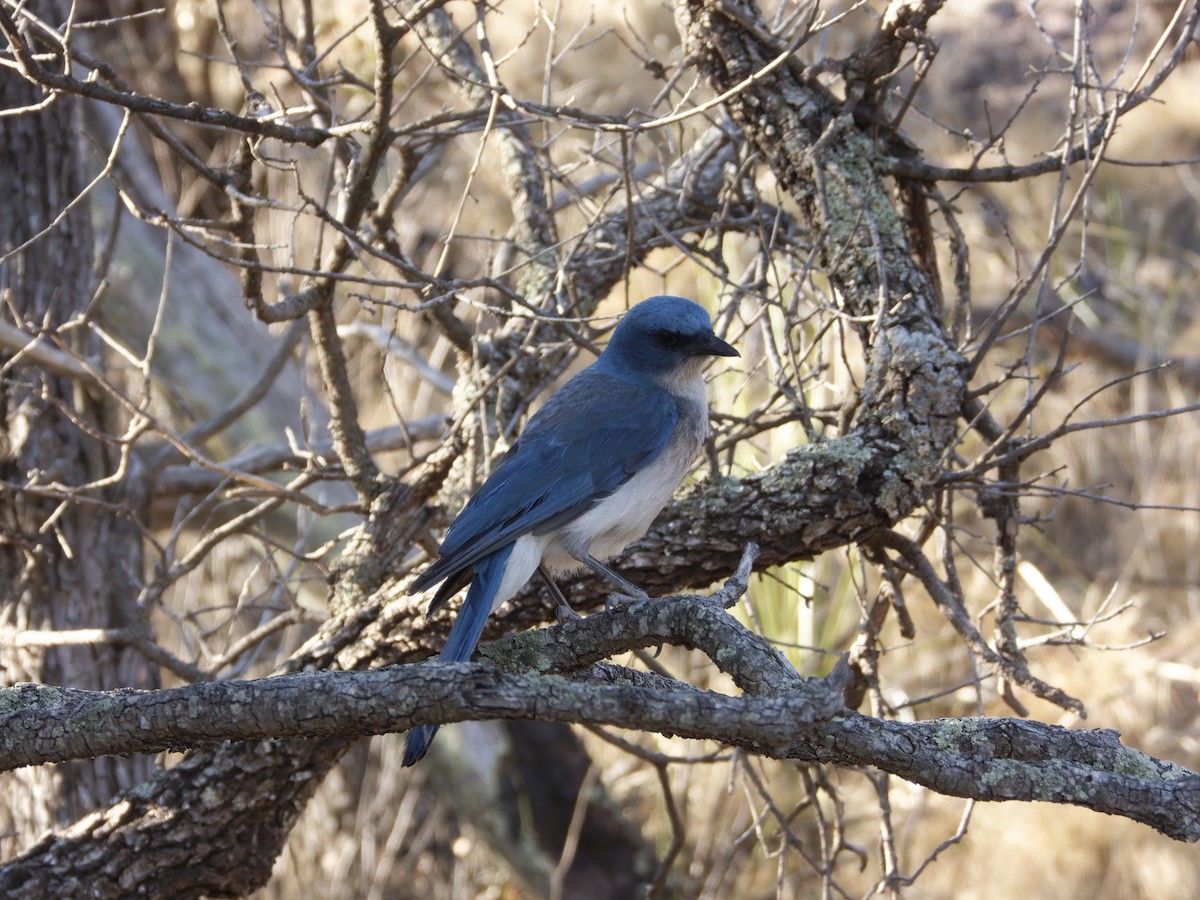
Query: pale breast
[[623, 517]]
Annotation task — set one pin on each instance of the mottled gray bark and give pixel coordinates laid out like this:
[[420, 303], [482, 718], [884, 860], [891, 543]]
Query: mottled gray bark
[[66, 561], [554, 675]]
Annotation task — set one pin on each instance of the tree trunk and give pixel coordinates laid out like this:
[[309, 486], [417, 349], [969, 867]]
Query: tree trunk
[[65, 561]]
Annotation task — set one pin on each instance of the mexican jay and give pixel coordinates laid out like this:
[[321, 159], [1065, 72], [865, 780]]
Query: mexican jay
[[587, 476]]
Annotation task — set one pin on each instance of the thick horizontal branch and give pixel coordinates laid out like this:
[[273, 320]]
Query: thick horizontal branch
[[552, 674], [44, 724], [1014, 759], [986, 759]]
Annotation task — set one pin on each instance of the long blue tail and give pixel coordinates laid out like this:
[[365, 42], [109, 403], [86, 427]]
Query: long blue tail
[[464, 635]]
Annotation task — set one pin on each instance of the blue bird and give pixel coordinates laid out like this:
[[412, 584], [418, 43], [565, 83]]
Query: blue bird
[[587, 476]]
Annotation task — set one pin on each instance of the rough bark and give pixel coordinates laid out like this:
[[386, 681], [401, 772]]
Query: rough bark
[[553, 675], [66, 561]]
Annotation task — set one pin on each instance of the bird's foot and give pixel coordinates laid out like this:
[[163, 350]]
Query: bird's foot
[[616, 599], [564, 614]]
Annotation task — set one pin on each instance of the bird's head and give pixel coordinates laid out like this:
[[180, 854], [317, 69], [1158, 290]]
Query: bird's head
[[665, 337]]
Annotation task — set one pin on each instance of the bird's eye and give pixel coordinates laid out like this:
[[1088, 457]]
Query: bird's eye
[[667, 339]]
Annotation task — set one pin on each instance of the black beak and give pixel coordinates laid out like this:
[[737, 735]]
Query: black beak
[[711, 345]]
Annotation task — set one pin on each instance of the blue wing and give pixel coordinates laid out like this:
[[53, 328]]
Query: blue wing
[[588, 440]]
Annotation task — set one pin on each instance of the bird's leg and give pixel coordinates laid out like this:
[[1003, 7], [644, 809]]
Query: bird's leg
[[628, 590], [562, 609]]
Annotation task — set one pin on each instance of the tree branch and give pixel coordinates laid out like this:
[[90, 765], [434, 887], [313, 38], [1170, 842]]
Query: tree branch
[[196, 479], [44, 724], [802, 719], [204, 116]]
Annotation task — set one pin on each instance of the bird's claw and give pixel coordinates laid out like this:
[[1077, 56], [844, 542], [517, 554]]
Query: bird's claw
[[616, 599], [564, 614]]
